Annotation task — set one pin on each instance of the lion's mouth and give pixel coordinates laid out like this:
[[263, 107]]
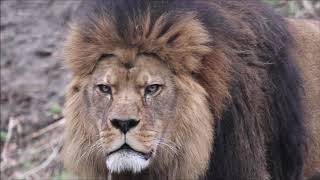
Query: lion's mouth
[[126, 148]]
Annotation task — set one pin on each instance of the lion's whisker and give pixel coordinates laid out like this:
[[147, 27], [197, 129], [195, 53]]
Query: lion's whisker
[[167, 146]]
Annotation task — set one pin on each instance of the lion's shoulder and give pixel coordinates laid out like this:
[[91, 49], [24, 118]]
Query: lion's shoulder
[[307, 52]]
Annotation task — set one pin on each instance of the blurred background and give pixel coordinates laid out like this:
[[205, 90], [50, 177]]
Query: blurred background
[[33, 82]]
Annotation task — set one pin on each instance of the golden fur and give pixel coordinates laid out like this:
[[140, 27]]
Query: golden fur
[[194, 120], [194, 126], [200, 70]]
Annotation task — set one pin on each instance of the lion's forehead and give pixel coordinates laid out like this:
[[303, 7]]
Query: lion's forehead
[[143, 70]]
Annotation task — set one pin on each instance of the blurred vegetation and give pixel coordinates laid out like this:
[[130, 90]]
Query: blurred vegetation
[[55, 111], [62, 175], [3, 135], [297, 8]]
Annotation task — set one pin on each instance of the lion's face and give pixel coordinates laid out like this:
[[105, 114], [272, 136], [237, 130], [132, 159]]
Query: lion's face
[[130, 105], [142, 107]]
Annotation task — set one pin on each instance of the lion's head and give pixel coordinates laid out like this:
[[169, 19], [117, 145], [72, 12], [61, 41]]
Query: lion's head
[[133, 104], [182, 90]]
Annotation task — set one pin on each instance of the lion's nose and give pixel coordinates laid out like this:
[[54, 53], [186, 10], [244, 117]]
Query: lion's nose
[[124, 125]]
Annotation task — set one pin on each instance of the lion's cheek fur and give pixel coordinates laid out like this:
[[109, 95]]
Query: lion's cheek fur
[[80, 134], [191, 131]]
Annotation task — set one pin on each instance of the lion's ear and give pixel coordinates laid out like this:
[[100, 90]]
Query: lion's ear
[[182, 44]]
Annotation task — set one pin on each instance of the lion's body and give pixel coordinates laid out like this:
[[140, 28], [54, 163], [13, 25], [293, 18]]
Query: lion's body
[[239, 100], [307, 52]]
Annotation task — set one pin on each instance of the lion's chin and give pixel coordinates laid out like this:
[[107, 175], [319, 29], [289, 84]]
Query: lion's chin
[[126, 161]]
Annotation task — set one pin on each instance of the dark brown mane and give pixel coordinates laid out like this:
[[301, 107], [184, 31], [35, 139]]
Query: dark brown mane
[[237, 50]]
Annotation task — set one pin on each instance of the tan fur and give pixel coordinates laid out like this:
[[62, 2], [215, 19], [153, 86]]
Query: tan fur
[[193, 133], [307, 35], [190, 135], [191, 44]]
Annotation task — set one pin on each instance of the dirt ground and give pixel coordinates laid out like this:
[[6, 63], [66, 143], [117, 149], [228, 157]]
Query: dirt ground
[[32, 84], [33, 80]]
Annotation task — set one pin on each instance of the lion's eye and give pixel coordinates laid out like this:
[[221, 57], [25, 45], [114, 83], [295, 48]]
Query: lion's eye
[[104, 88], [152, 89]]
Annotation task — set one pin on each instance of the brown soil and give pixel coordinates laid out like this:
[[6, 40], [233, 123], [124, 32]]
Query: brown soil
[[32, 82]]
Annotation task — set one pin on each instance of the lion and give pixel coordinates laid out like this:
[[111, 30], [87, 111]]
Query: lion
[[203, 89]]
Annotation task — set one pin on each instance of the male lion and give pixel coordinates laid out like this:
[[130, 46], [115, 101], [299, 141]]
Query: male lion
[[203, 89]]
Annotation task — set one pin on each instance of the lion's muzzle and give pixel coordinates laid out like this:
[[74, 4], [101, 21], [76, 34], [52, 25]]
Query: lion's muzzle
[[127, 159]]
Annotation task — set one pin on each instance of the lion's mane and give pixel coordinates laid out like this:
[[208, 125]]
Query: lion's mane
[[237, 51]]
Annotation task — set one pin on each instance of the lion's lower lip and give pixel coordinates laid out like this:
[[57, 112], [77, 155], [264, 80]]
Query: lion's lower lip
[[126, 148]]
